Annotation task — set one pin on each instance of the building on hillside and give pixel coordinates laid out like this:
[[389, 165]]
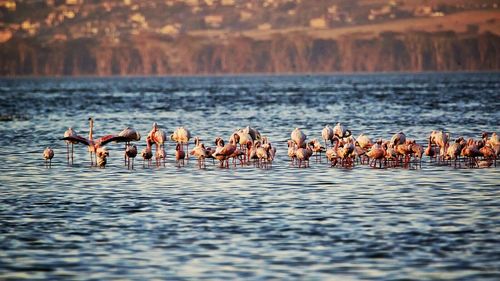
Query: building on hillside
[[318, 23], [214, 21]]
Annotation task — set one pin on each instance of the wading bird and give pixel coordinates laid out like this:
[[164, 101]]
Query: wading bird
[[101, 157], [92, 144], [147, 153], [179, 154], [182, 136], [69, 133], [130, 152], [327, 135], [299, 138], [48, 154]]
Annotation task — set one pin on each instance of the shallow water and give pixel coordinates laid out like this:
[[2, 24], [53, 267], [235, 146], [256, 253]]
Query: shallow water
[[433, 222]]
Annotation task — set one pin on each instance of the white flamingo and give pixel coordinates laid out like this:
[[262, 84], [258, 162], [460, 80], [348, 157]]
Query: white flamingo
[[327, 134], [181, 135], [341, 131]]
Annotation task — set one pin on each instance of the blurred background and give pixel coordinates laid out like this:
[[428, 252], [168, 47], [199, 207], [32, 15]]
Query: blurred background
[[184, 37]]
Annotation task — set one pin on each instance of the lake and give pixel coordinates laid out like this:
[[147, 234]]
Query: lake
[[76, 222]]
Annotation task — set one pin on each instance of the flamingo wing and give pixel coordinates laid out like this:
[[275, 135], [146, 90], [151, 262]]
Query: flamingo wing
[[109, 138], [228, 149], [77, 139]]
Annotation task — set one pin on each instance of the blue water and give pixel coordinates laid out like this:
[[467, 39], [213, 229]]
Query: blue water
[[425, 223]]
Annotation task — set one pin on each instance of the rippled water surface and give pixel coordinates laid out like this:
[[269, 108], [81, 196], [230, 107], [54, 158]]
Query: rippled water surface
[[433, 222]]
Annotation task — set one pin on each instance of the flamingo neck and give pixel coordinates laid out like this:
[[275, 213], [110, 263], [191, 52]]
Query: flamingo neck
[[91, 125]]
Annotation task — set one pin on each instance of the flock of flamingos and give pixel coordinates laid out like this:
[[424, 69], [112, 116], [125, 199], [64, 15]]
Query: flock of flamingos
[[246, 146]]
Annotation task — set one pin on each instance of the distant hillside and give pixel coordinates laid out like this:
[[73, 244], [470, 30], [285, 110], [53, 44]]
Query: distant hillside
[[289, 53], [162, 37]]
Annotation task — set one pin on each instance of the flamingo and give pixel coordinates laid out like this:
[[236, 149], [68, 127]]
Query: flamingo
[[471, 151], [416, 150], [254, 133], [158, 136], [243, 138], [364, 141], [298, 137], [359, 152], [92, 144], [181, 135], [48, 154], [345, 153], [262, 154], [234, 140], [492, 141], [303, 155], [237, 155], [101, 156], [70, 133], [340, 131], [377, 152], [129, 134], [271, 150], [398, 138], [331, 153], [200, 152], [327, 134], [403, 152], [223, 152], [391, 155], [131, 152], [160, 156], [147, 153], [440, 138], [453, 151], [179, 154], [431, 151], [317, 148]]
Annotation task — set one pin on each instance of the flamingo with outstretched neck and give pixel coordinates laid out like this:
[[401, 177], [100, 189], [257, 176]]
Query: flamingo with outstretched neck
[[93, 145]]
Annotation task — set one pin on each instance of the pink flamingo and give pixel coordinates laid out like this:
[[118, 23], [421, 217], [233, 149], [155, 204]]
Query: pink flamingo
[[147, 153], [179, 154], [92, 144]]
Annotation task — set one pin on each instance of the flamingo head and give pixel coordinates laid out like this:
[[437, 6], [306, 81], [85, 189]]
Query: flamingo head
[[236, 138]]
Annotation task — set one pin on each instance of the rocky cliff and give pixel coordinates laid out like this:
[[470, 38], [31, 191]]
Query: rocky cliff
[[290, 53]]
